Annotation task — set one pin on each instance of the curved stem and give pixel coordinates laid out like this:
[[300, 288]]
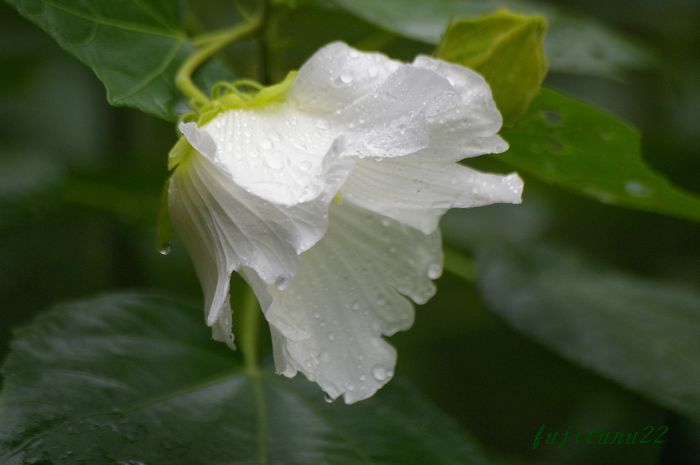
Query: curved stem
[[210, 44], [249, 331]]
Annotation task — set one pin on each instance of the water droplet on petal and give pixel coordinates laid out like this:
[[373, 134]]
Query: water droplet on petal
[[346, 77], [363, 378], [373, 71], [356, 305], [266, 144], [380, 373], [331, 336], [434, 271], [281, 282], [328, 399], [165, 250]]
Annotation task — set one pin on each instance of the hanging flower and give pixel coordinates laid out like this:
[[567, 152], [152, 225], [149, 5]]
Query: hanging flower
[[325, 193]]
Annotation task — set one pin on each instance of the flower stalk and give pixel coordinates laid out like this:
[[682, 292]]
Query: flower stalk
[[250, 320], [210, 44]]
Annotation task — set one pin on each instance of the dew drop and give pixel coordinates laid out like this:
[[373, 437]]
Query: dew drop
[[363, 378], [637, 189], [373, 71], [328, 399], [317, 315], [281, 282], [346, 77], [356, 305], [434, 271], [322, 124], [380, 373], [165, 250], [552, 118], [331, 336], [385, 222]]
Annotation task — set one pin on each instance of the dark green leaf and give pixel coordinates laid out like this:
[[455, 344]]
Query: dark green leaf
[[573, 44], [134, 47], [293, 36], [641, 333], [136, 379], [505, 48], [574, 145]]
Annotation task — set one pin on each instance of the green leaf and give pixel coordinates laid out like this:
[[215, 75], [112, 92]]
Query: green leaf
[[507, 49], [576, 146], [293, 35], [134, 47], [642, 333], [136, 379], [574, 44]]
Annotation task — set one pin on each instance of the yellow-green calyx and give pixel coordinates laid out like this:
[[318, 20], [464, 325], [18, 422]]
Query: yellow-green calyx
[[243, 94]]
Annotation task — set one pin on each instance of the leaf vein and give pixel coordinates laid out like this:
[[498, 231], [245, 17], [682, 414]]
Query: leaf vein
[[158, 71], [117, 24]]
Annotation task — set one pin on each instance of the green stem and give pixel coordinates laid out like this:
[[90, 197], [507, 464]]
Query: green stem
[[250, 320], [210, 44], [459, 264]]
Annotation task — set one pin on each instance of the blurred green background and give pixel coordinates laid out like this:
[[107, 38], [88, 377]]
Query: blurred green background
[[80, 185]]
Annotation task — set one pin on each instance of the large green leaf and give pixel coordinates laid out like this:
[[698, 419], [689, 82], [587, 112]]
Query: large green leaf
[[136, 379], [573, 44], [641, 333], [134, 47], [574, 145]]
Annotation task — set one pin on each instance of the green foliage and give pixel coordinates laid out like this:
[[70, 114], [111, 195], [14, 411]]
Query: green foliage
[[641, 333], [595, 51], [134, 48], [544, 336], [136, 379], [576, 146], [293, 35], [505, 48]]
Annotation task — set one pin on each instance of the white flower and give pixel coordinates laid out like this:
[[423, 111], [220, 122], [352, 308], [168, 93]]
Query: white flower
[[256, 195]]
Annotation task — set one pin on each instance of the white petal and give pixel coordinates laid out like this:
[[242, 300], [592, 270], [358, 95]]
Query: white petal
[[477, 114], [347, 293], [394, 119], [224, 228], [276, 152], [337, 75], [417, 190]]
